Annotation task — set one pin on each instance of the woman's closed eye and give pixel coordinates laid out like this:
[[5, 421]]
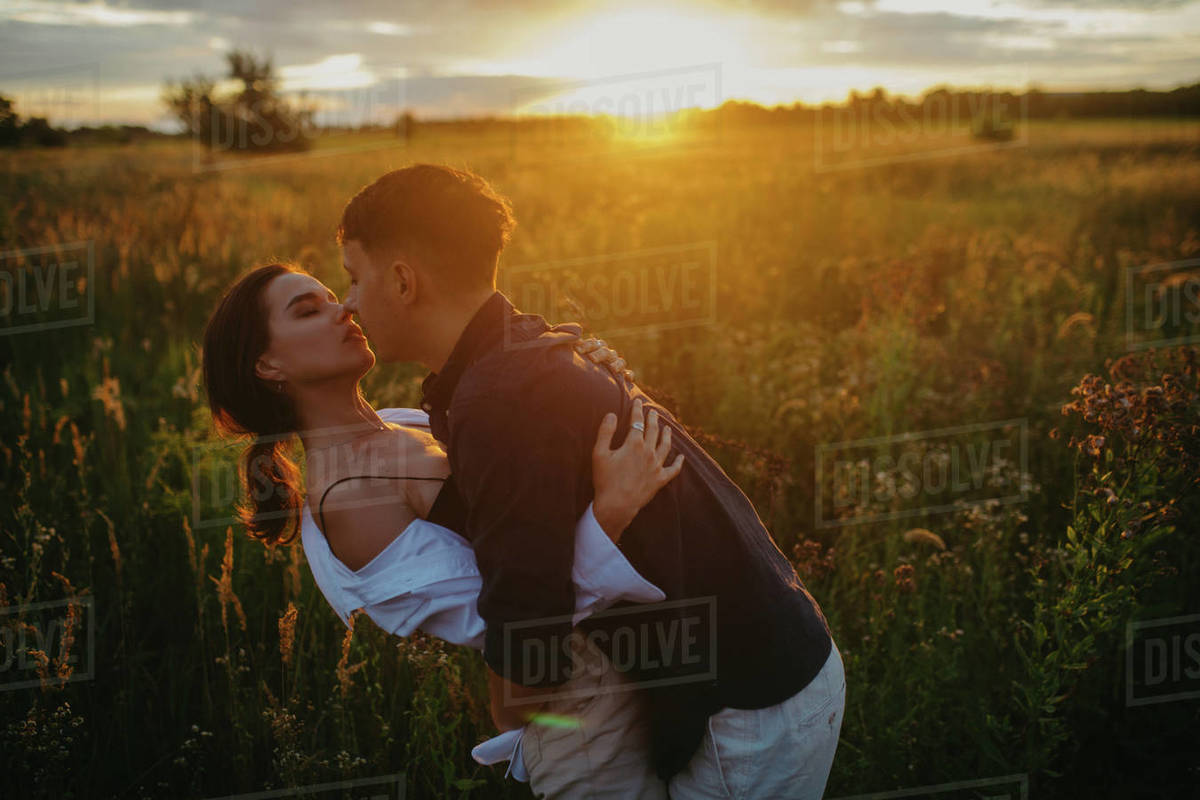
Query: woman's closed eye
[[310, 307]]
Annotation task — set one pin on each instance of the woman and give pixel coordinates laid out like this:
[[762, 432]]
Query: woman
[[282, 358]]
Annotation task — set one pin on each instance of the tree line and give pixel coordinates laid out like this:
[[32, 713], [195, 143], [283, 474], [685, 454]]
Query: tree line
[[256, 117], [968, 104]]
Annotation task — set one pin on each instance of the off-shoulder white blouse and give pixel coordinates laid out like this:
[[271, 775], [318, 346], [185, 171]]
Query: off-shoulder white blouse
[[426, 578]]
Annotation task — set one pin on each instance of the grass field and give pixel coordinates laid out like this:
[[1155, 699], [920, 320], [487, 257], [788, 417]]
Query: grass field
[[919, 290]]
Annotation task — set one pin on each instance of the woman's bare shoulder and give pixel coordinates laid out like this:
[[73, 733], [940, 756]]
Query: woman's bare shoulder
[[361, 493], [415, 449], [396, 453]]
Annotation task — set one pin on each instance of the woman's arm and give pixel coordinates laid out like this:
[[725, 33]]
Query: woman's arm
[[362, 516]]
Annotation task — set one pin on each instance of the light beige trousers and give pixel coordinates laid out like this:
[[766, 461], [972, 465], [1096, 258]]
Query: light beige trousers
[[596, 744]]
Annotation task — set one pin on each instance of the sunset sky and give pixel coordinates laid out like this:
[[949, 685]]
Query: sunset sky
[[97, 61]]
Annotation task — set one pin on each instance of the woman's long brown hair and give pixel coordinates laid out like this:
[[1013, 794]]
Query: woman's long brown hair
[[244, 404]]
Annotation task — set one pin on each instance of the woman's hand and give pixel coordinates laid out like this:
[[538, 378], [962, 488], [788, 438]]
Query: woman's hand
[[628, 477], [599, 352]]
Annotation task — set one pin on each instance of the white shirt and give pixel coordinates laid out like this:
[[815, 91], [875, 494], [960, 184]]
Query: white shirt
[[426, 578]]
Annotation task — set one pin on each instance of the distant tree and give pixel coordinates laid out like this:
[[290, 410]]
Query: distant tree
[[36, 130], [10, 124], [253, 119], [405, 125], [192, 104]]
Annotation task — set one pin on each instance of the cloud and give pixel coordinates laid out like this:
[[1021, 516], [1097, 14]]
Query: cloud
[[45, 12], [467, 56]]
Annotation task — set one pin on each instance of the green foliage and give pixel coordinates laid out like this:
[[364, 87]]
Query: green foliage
[[850, 304]]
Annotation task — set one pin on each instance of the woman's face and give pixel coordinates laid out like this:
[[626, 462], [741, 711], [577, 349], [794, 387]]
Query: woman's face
[[313, 339]]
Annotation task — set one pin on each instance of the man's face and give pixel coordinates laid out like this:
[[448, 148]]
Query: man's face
[[377, 298]]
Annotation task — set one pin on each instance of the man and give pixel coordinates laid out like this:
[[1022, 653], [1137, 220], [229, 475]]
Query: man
[[740, 689]]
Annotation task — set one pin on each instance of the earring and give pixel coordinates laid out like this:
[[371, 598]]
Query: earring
[[280, 385]]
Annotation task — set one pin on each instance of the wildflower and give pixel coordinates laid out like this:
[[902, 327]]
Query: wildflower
[[62, 666], [43, 665], [344, 672], [58, 426], [79, 444], [924, 536], [904, 578], [287, 632], [1080, 319], [112, 543], [225, 585], [809, 560], [109, 394], [191, 543]]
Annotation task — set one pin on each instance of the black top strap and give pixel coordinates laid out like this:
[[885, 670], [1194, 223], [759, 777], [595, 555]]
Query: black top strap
[[321, 504]]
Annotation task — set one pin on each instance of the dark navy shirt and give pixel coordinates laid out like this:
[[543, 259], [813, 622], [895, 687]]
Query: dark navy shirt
[[517, 410]]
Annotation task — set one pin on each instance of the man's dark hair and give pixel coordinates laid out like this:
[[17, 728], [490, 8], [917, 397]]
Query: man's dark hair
[[453, 219]]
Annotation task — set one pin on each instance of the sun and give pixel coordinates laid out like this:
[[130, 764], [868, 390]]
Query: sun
[[639, 63], [637, 72], [644, 39]]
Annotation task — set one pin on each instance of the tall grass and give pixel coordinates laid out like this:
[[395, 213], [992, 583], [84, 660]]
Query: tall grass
[[850, 304]]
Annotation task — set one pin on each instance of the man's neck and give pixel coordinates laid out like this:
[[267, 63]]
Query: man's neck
[[447, 328]]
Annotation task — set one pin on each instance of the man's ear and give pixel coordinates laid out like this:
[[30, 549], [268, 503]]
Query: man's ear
[[406, 281]]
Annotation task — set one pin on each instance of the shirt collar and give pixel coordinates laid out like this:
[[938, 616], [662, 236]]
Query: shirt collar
[[477, 337], [496, 323]]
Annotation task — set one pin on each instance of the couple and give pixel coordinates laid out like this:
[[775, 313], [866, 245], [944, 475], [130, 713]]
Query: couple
[[499, 515]]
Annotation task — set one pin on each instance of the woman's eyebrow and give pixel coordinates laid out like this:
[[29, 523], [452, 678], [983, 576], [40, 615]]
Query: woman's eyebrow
[[302, 296]]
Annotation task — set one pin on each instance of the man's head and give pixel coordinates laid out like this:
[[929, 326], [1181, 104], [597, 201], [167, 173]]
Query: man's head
[[420, 244]]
